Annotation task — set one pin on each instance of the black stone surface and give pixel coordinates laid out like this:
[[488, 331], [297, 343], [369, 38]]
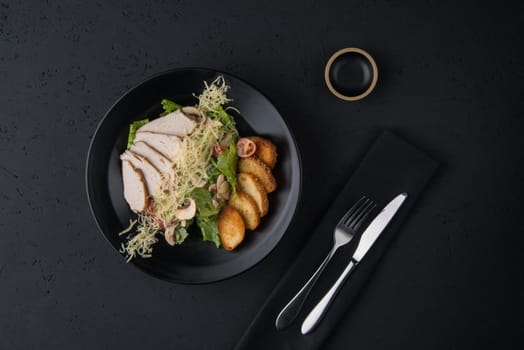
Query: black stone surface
[[450, 82]]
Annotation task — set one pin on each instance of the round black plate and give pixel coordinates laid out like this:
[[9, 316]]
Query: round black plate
[[195, 261]]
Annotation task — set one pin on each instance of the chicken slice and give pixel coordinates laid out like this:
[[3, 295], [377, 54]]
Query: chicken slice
[[161, 162], [167, 145], [152, 176], [135, 191], [176, 124]]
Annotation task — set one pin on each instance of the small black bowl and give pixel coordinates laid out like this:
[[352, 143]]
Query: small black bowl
[[351, 74]]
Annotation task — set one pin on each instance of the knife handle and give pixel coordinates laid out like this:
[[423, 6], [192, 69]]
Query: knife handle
[[292, 309], [320, 309]]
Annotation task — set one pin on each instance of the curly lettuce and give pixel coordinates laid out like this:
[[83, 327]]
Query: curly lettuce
[[227, 165], [133, 127], [207, 215], [169, 106]]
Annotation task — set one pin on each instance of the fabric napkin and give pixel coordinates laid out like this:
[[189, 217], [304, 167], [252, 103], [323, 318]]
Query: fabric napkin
[[390, 167]]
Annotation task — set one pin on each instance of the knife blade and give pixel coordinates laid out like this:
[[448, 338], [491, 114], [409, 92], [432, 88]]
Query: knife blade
[[367, 239]]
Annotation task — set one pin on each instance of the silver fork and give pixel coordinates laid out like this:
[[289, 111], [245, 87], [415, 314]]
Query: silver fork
[[342, 235]]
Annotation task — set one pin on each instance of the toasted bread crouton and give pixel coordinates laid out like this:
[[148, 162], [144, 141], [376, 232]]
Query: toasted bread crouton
[[247, 208], [250, 184], [266, 151], [230, 227], [254, 166]]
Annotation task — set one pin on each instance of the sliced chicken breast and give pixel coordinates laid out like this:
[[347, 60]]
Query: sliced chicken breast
[[152, 175], [161, 162], [167, 145], [135, 191], [175, 123]]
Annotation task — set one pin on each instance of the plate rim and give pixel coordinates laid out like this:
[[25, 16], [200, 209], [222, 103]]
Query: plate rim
[[106, 115]]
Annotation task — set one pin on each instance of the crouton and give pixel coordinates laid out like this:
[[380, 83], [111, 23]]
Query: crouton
[[247, 207], [266, 151], [250, 184], [253, 165], [231, 227]]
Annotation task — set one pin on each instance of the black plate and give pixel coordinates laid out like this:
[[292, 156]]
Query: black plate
[[194, 261]]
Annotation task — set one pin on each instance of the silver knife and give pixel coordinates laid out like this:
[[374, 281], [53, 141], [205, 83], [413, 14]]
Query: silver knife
[[367, 239]]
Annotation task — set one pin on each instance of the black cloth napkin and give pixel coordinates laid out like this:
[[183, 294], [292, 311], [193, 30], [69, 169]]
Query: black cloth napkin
[[390, 167]]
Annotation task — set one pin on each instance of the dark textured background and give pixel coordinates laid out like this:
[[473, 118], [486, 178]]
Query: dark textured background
[[450, 82]]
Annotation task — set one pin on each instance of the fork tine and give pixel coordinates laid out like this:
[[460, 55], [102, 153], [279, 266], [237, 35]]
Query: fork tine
[[358, 221], [356, 212], [354, 208]]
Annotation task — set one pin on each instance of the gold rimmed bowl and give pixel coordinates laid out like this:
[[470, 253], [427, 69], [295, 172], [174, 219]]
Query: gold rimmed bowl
[[351, 74]]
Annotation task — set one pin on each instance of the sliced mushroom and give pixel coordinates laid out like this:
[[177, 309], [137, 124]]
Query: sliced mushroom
[[223, 188], [199, 182], [212, 188], [187, 211], [226, 140], [169, 235], [220, 179], [193, 113]]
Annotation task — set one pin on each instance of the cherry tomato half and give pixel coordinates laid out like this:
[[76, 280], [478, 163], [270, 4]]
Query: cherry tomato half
[[217, 150], [245, 147]]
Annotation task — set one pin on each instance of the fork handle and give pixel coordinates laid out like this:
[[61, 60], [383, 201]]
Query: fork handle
[[320, 309], [288, 314]]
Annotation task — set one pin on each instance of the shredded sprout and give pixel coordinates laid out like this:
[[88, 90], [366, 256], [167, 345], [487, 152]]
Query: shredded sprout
[[214, 95], [129, 228], [141, 243], [193, 162]]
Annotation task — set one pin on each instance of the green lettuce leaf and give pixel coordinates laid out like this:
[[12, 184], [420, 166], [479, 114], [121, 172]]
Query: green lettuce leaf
[[227, 164], [209, 228], [133, 127], [169, 106], [222, 116], [213, 172], [203, 200], [207, 215], [181, 234]]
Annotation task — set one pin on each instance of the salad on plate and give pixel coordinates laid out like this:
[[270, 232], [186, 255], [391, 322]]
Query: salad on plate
[[190, 167]]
